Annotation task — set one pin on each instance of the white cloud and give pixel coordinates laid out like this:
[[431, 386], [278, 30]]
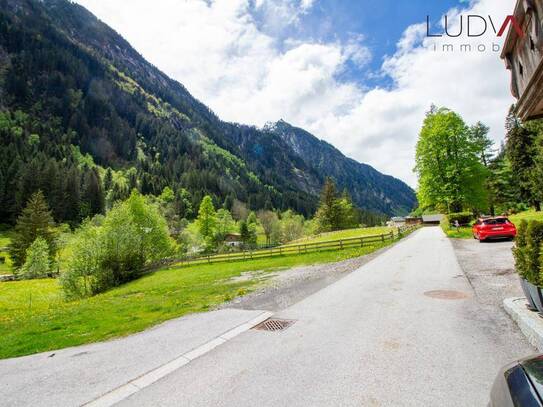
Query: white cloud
[[241, 70]]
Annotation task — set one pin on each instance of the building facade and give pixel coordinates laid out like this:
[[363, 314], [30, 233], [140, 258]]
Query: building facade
[[522, 53]]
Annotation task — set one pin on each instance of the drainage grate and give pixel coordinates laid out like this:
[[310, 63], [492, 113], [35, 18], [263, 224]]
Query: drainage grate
[[274, 324]]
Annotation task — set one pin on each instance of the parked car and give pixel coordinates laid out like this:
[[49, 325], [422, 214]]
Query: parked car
[[492, 228], [519, 384]]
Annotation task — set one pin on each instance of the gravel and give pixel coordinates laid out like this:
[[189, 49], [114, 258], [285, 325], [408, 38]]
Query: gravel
[[489, 268]]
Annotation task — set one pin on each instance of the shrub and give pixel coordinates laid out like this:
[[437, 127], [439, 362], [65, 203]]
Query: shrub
[[102, 256], [519, 251], [445, 224], [463, 218], [37, 264], [534, 238]]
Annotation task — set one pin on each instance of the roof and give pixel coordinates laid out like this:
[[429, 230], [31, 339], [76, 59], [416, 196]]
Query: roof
[[432, 218], [511, 37], [397, 219]]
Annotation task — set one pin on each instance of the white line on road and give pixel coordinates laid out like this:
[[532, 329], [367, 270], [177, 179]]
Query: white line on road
[[120, 393]]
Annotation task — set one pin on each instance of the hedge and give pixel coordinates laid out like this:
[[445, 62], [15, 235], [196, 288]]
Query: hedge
[[519, 251], [463, 218], [527, 251]]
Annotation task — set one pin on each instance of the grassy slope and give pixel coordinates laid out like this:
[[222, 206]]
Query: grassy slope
[[34, 318], [5, 268], [341, 234]]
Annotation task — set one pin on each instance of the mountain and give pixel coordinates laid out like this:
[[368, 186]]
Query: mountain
[[76, 98], [368, 187]]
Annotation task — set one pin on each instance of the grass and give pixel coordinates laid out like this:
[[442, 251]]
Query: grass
[[5, 267], [341, 234], [463, 232], [35, 318]]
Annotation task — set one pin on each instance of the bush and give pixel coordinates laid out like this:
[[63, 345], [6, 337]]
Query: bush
[[131, 235], [37, 264], [445, 224], [519, 251], [463, 218], [534, 238]]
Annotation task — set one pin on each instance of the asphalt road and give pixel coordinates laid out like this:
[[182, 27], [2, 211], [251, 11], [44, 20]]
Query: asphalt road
[[489, 267], [376, 337]]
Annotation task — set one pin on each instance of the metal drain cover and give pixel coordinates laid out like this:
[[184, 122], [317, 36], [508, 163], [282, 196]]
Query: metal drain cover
[[274, 324], [446, 294]]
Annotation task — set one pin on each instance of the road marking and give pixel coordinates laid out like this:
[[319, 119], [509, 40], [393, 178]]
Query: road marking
[[126, 390]]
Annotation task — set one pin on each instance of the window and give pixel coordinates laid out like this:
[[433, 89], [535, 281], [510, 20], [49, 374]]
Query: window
[[499, 221]]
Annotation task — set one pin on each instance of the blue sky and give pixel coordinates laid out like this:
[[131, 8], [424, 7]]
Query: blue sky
[[358, 74], [380, 23]]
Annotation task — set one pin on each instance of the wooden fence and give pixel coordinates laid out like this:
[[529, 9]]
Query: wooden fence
[[297, 249]]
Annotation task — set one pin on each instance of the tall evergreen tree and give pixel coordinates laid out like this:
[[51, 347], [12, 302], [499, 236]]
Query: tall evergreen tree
[[329, 213], [35, 221], [520, 152], [92, 198]]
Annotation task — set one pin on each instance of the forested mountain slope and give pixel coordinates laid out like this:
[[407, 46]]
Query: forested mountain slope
[[74, 93]]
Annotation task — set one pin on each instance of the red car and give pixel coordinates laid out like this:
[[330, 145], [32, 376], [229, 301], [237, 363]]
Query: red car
[[497, 227]]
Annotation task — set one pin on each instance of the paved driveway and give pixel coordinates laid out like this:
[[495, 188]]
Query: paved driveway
[[373, 338]]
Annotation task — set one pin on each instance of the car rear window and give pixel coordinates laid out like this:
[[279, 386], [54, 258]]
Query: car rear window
[[499, 221]]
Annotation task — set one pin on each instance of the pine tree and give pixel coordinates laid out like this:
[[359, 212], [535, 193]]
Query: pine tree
[[92, 199], [329, 213], [519, 147], [108, 180], [35, 221]]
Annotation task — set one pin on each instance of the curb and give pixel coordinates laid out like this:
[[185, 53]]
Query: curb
[[529, 322], [141, 382]]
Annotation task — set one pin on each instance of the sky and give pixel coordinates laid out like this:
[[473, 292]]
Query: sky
[[359, 74]]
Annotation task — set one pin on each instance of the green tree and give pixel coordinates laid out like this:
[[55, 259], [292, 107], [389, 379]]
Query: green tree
[[520, 144], [37, 264], [224, 225], [269, 220], [108, 180], [35, 221], [92, 197], [502, 188], [132, 234], [247, 230], [183, 204], [207, 219], [478, 135], [450, 174], [329, 212], [348, 215], [292, 226]]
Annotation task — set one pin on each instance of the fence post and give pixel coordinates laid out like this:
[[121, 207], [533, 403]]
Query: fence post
[[341, 244], [382, 238], [361, 242], [209, 259]]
